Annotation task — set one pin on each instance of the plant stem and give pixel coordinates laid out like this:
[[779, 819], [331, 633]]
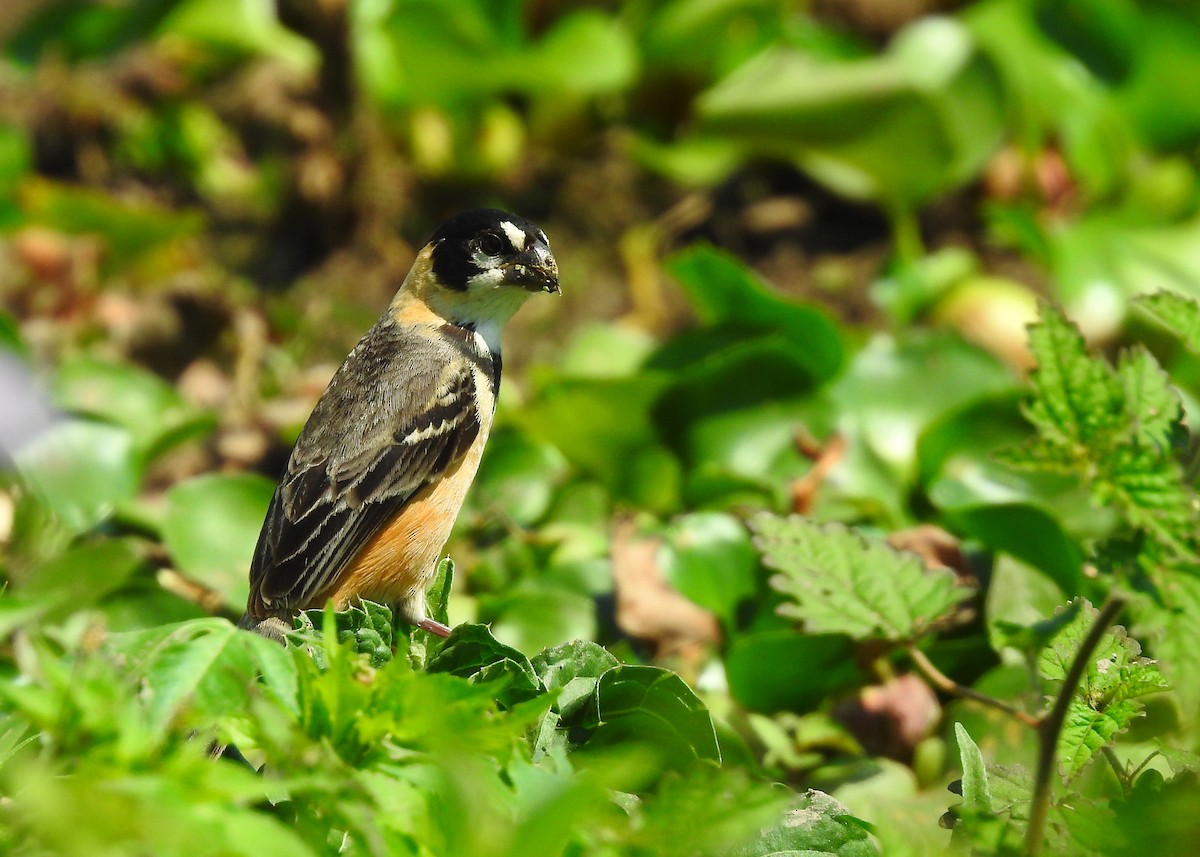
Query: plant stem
[[1052, 725], [1123, 776], [949, 685]]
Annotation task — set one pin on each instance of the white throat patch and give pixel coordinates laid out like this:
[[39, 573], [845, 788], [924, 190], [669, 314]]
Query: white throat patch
[[515, 234]]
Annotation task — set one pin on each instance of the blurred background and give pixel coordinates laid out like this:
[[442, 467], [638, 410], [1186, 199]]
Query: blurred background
[[799, 243]]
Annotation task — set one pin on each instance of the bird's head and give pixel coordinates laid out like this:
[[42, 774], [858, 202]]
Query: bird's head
[[481, 265]]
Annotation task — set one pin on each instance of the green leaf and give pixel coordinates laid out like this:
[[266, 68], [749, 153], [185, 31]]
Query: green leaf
[[211, 527], [131, 229], [474, 654], [206, 666], [772, 671], [816, 825], [149, 408], [708, 557], [366, 627], [81, 470], [652, 707], [723, 291], [572, 671], [517, 477], [838, 582], [977, 798], [85, 30], [1106, 700], [1179, 313], [1028, 533], [841, 121], [1150, 400], [1171, 629], [85, 574], [1077, 404]]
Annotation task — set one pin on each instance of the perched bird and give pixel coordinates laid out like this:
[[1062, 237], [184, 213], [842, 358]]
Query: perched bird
[[379, 472]]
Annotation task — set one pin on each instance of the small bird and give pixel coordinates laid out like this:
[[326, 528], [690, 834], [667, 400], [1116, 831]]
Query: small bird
[[379, 472]]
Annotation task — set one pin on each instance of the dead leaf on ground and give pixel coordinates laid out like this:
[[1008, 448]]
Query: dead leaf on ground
[[648, 608]]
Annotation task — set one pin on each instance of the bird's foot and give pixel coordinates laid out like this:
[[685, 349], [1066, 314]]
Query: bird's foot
[[434, 627]]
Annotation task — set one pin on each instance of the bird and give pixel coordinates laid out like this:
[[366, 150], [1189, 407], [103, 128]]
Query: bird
[[379, 472]]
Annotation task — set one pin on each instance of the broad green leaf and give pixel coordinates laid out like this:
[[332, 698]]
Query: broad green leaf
[[838, 582], [708, 557], [211, 527], [79, 31], [1148, 487], [1179, 313], [366, 627], [577, 416], [723, 291], [771, 671], [205, 666], [130, 229], [121, 393], [81, 470], [572, 671], [816, 825], [473, 653], [650, 706], [85, 574], [841, 120], [886, 401], [535, 614], [517, 477], [1107, 698], [1028, 533]]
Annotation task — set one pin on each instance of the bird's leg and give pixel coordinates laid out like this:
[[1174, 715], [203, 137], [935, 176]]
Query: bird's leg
[[434, 627]]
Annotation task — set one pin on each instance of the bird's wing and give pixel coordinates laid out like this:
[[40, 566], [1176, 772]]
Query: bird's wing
[[400, 412]]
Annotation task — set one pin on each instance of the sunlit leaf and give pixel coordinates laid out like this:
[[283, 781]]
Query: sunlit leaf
[[211, 527], [652, 707], [1108, 695], [838, 582]]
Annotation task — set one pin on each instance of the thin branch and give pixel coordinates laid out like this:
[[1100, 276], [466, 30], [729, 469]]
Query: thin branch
[[1052, 725], [950, 686]]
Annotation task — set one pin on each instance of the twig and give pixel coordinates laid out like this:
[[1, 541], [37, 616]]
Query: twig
[[1052, 726], [949, 685]]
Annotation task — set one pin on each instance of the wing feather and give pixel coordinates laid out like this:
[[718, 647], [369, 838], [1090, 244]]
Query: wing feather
[[400, 412]]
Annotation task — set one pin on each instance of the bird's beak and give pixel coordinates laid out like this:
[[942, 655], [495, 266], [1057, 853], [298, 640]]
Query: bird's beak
[[534, 270]]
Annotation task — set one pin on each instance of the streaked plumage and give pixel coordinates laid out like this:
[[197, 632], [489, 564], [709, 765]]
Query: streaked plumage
[[380, 470]]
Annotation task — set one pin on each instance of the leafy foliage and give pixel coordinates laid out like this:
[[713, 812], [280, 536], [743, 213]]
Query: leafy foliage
[[1116, 430], [806, 243], [1107, 698], [841, 583]]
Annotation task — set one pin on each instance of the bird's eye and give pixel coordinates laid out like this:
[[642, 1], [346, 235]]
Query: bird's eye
[[491, 244]]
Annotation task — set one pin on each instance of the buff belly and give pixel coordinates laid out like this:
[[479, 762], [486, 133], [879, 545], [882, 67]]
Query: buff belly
[[398, 564]]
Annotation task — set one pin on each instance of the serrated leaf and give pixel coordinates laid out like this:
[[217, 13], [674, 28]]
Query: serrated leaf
[[1150, 400], [1149, 489], [1181, 314], [1077, 402], [1105, 702], [838, 582]]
